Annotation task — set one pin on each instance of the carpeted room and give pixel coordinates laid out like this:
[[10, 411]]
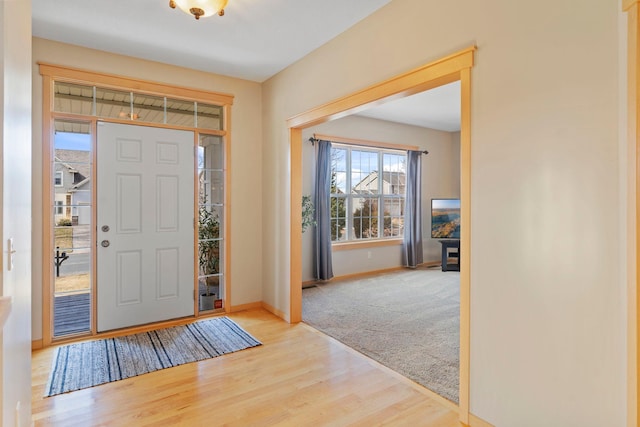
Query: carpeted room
[[407, 320]]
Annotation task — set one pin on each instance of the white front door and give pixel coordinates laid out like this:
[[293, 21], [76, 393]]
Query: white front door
[[145, 220]]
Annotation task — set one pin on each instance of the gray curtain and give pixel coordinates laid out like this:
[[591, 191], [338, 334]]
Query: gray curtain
[[412, 243], [322, 265]]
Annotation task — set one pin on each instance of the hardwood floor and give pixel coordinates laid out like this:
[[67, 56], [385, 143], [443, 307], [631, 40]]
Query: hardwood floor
[[298, 377]]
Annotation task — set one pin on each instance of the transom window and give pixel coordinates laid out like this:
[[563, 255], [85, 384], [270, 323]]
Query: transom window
[[128, 105], [367, 193]]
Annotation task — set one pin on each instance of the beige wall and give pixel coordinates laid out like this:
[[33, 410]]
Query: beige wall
[[440, 179], [246, 157], [547, 298], [15, 193]]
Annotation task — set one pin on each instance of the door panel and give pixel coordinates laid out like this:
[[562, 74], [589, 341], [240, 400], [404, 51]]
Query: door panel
[[145, 250], [167, 269], [128, 203], [167, 203], [128, 278]]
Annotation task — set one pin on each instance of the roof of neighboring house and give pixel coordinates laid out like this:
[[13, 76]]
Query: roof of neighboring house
[[79, 185], [393, 178], [78, 161]]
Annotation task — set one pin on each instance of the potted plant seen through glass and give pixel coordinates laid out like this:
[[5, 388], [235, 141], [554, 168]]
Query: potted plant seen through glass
[[308, 213], [209, 255]]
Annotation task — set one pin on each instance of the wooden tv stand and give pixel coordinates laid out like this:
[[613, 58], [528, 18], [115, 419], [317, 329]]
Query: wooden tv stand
[[450, 249]]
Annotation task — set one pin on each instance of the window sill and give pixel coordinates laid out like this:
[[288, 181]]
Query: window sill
[[345, 246]]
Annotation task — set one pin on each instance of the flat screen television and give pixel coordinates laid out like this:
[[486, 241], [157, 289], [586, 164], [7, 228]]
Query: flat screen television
[[445, 218]]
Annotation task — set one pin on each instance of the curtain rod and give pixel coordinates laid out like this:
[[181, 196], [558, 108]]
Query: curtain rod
[[314, 140]]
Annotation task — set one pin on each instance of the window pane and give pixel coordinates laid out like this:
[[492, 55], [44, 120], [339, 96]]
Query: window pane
[[148, 108], [209, 116], [393, 216], [365, 218], [113, 103], [210, 246], [338, 170], [364, 172], [181, 113], [394, 162], [72, 275], [212, 285], [338, 218], [211, 152], [77, 129], [72, 98], [394, 173], [211, 186], [210, 222], [209, 257], [76, 219], [210, 170], [72, 292], [72, 184], [71, 176]]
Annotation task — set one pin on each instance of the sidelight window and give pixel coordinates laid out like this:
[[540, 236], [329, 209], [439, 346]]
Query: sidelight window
[[211, 209], [72, 251]]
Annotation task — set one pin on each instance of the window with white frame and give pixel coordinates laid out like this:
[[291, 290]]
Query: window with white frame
[[367, 193], [57, 180], [59, 208]]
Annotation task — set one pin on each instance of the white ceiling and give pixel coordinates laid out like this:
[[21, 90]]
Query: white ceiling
[[254, 40], [438, 108]]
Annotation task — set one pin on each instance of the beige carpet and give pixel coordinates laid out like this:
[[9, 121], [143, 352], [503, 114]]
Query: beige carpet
[[406, 320]]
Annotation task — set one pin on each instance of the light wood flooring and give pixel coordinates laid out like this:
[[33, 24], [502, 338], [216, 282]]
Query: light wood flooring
[[298, 377]]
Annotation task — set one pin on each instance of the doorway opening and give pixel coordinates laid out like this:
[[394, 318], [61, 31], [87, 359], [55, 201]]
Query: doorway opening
[[76, 105], [455, 67], [406, 319]]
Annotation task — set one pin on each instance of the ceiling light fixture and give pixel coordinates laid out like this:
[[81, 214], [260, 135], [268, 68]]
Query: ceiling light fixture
[[200, 8]]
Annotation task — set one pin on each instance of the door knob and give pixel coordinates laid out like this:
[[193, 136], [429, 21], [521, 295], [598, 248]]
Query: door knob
[[105, 243]]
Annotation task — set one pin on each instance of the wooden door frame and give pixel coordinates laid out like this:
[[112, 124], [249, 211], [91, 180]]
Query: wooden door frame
[[632, 7], [52, 73], [455, 67]]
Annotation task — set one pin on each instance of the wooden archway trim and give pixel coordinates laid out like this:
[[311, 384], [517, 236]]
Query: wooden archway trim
[[632, 7], [454, 67]]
